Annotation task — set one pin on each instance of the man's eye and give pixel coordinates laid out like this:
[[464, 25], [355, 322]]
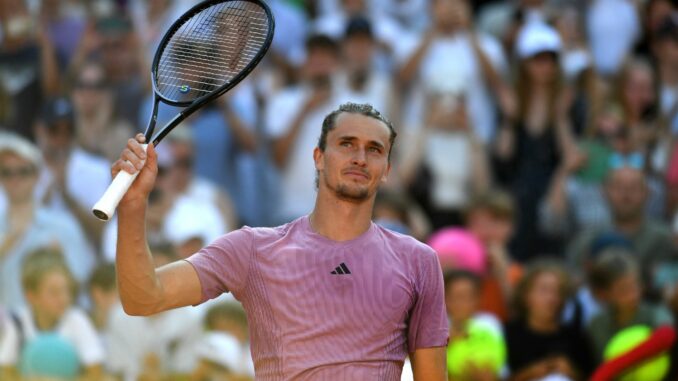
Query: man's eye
[[345, 144]]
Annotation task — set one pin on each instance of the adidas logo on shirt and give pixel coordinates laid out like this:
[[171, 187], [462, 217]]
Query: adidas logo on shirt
[[342, 269]]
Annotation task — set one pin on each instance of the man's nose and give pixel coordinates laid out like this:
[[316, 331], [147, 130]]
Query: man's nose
[[359, 157]]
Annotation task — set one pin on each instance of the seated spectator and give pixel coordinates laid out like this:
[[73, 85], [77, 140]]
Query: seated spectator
[[224, 349], [490, 217], [626, 192], [476, 349], [538, 344], [149, 347], [615, 279], [26, 225], [103, 293], [50, 324]]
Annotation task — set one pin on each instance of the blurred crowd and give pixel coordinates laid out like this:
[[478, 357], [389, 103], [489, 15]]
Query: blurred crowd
[[536, 153]]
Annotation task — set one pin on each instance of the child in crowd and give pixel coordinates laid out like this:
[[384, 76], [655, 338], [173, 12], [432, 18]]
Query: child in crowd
[[103, 292], [224, 351], [615, 280], [51, 338], [476, 350], [490, 217], [538, 343]]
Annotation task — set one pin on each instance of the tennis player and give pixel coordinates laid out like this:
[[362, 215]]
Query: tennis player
[[329, 296]]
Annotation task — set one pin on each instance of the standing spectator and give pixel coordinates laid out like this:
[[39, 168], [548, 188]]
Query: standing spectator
[[615, 278], [532, 142], [100, 131], [364, 81], [478, 60], [25, 224], [28, 67], [73, 179], [293, 120], [538, 344], [446, 161], [51, 323]]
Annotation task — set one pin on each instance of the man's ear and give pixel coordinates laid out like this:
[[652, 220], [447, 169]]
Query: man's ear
[[384, 178], [317, 158]]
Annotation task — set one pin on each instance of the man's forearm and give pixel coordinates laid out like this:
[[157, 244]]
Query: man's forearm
[[140, 289]]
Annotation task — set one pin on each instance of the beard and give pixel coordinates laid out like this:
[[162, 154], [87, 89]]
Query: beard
[[346, 193]]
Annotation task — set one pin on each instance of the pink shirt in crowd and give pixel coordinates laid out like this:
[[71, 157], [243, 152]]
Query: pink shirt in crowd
[[319, 309]]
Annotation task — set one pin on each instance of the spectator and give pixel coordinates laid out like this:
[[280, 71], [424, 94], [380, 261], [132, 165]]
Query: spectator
[[26, 224], [478, 60], [537, 135], [151, 346], [446, 162], [626, 192], [538, 344], [476, 349], [224, 349], [103, 293], [490, 217], [28, 68], [293, 120], [73, 179], [50, 288], [665, 52], [366, 83], [64, 27], [615, 278], [100, 131]]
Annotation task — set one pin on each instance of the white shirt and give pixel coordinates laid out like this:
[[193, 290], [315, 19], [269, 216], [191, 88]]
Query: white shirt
[[456, 53], [74, 326], [87, 178], [171, 336], [448, 156]]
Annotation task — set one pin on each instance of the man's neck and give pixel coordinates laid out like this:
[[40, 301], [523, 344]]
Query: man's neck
[[340, 220]]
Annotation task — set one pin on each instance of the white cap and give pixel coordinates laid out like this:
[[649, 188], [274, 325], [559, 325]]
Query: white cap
[[221, 348], [21, 147], [537, 37]]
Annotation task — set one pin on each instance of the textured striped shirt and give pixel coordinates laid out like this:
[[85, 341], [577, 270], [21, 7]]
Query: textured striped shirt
[[319, 309]]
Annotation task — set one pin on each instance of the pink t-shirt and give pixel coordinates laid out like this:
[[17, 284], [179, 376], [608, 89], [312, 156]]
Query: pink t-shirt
[[325, 310]]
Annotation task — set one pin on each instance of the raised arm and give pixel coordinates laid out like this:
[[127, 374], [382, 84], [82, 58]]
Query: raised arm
[[143, 289]]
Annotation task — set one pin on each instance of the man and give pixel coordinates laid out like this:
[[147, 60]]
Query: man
[[626, 191], [330, 295]]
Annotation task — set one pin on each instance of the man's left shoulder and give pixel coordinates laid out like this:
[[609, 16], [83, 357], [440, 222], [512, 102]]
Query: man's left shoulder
[[406, 245]]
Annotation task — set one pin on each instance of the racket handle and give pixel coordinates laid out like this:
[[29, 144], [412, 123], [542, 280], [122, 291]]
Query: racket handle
[[105, 207]]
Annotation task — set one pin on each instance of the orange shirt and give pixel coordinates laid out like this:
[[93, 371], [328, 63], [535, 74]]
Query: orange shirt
[[495, 300]]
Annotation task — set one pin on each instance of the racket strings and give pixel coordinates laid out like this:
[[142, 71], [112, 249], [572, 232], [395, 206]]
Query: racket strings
[[210, 49]]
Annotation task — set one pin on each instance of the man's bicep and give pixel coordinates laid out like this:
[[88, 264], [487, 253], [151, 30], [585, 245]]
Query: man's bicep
[[180, 284], [429, 364]]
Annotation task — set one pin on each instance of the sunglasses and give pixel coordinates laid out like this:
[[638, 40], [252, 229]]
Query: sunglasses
[[184, 163], [23, 172]]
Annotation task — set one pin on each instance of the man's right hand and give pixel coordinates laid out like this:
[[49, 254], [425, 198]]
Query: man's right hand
[[133, 159]]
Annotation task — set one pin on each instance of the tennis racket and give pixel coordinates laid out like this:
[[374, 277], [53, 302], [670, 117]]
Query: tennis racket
[[205, 53]]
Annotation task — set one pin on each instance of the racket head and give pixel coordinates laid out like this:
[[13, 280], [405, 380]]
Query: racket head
[[210, 49]]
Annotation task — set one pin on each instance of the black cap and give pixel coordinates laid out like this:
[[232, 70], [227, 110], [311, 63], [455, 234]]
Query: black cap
[[57, 110], [358, 26]]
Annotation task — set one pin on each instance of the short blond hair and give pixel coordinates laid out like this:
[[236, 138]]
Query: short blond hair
[[41, 262]]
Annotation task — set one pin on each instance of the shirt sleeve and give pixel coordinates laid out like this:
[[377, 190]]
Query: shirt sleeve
[[428, 325], [223, 266]]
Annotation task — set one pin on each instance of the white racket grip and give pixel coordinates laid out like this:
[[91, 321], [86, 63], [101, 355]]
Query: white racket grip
[[105, 207]]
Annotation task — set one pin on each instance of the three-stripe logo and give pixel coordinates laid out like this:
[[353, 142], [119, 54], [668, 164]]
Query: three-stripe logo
[[342, 269]]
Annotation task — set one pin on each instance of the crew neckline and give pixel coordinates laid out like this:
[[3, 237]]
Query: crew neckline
[[306, 224]]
